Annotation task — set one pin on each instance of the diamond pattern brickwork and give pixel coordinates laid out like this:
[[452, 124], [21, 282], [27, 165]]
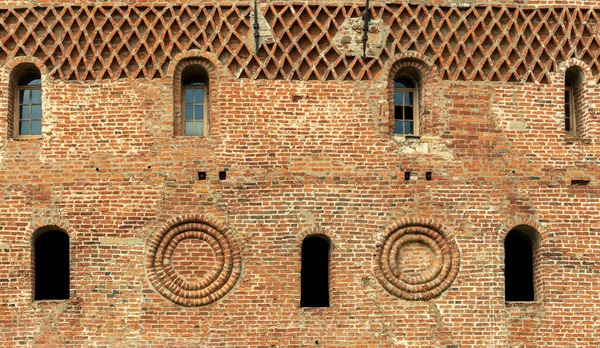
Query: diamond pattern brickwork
[[87, 43], [474, 43], [494, 43], [302, 47]]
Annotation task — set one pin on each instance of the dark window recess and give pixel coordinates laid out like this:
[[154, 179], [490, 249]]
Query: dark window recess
[[580, 182], [222, 175], [52, 266], [428, 176], [518, 267], [201, 175], [315, 272], [406, 175]]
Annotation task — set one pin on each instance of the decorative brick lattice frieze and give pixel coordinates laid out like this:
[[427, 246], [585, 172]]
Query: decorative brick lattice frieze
[[488, 43]]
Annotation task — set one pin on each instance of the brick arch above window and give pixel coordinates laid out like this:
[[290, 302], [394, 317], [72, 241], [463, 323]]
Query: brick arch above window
[[513, 222], [416, 60], [25, 107], [588, 75], [408, 104], [316, 231], [206, 68], [577, 77]]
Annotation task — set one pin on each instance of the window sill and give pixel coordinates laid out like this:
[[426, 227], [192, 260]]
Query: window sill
[[26, 137], [522, 303], [406, 137], [315, 310], [518, 309], [576, 139], [47, 302], [51, 304], [190, 137]]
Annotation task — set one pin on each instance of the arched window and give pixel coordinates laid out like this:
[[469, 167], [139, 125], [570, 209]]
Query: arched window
[[194, 101], [407, 82], [574, 78], [51, 265], [405, 108], [519, 261], [315, 272], [27, 101]]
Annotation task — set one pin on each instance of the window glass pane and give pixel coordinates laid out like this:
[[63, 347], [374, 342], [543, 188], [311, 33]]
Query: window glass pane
[[200, 128], [408, 98], [189, 128], [398, 112], [199, 95], [408, 113], [24, 96], [24, 128], [398, 98], [189, 96], [36, 112], [24, 112], [408, 127], [199, 112], [567, 96], [36, 127], [398, 129], [189, 112], [36, 96]]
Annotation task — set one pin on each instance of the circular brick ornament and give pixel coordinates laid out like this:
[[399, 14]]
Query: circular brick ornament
[[403, 243], [216, 272]]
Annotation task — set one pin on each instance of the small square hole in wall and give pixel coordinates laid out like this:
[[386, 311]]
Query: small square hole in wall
[[201, 175], [580, 182], [406, 175], [222, 175], [428, 176]]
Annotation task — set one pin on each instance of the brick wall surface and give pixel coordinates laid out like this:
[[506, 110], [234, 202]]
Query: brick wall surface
[[303, 156]]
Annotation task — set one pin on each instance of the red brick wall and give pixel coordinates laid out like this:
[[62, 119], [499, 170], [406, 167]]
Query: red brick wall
[[302, 157]]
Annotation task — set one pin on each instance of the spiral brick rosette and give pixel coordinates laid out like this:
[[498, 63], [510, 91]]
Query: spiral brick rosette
[[416, 260], [193, 261]]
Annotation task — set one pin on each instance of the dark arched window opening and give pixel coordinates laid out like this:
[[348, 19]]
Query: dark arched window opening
[[194, 80], [315, 272], [519, 264], [51, 262]]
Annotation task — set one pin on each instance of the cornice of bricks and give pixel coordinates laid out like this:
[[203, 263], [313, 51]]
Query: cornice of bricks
[[479, 43]]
